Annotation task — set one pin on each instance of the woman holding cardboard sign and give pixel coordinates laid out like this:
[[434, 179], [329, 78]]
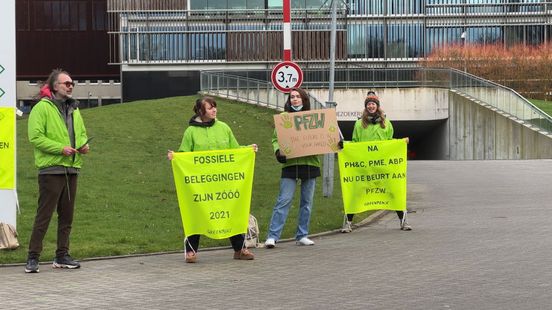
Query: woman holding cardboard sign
[[206, 133], [373, 126], [306, 169]]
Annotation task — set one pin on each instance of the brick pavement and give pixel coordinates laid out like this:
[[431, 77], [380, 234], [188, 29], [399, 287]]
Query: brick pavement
[[481, 240]]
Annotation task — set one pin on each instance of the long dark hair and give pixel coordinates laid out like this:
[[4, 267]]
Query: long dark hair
[[304, 99], [53, 77]]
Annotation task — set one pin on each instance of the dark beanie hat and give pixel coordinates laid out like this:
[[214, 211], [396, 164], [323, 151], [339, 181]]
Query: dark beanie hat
[[371, 97]]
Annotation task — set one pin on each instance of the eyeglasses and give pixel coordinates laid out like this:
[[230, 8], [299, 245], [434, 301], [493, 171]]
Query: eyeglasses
[[68, 84]]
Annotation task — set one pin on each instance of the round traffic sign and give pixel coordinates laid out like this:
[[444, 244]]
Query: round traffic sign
[[286, 75]]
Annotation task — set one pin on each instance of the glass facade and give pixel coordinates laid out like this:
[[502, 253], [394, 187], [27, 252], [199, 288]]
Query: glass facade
[[373, 31]]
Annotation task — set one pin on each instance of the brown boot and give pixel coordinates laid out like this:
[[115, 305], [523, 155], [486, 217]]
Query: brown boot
[[244, 254], [191, 257]]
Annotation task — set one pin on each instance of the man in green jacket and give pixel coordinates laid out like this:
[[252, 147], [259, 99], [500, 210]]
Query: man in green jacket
[[57, 132]]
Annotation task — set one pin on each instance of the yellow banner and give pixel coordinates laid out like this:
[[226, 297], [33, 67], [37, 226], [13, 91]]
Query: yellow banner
[[373, 175], [7, 148], [214, 191]]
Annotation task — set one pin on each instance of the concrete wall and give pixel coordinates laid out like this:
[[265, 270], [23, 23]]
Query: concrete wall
[[110, 89], [83, 91], [478, 132], [400, 104]]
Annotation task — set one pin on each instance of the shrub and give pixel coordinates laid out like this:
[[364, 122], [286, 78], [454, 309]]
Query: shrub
[[526, 69]]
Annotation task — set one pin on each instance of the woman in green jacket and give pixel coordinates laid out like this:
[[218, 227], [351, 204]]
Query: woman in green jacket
[[206, 132], [373, 126], [306, 169]]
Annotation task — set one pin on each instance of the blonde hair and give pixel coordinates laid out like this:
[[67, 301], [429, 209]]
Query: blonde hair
[[367, 121]]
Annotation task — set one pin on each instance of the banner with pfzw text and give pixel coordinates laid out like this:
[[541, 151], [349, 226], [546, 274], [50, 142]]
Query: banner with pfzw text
[[373, 175], [306, 133], [214, 191]]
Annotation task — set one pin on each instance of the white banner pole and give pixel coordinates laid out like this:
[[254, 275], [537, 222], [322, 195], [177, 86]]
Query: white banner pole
[[8, 197]]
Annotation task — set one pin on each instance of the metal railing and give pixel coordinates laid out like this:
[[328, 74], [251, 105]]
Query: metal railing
[[247, 89], [500, 97], [254, 86], [167, 32]]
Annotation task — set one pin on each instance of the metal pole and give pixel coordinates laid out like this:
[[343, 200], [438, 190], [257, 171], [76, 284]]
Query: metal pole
[[463, 37], [286, 27], [328, 163], [332, 51]]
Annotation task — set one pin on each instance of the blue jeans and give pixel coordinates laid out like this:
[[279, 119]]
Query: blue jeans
[[281, 209]]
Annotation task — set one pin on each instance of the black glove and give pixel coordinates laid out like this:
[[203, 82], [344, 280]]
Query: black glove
[[340, 144], [281, 158]]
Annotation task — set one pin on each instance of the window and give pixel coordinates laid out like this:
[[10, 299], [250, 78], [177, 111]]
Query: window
[[237, 4], [99, 15], [22, 17], [255, 4], [438, 37], [210, 4], [365, 41], [59, 15], [207, 46]]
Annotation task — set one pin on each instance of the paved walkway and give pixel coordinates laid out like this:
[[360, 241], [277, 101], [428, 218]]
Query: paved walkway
[[482, 239]]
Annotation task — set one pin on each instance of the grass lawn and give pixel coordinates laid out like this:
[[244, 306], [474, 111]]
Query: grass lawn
[[545, 106], [126, 200]]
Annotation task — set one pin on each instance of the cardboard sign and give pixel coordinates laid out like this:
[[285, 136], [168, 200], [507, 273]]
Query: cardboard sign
[[307, 133]]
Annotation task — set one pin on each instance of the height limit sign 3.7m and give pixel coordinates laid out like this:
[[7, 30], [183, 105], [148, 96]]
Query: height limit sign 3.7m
[[287, 75]]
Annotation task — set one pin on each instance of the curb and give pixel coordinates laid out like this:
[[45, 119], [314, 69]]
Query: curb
[[365, 222], [378, 214]]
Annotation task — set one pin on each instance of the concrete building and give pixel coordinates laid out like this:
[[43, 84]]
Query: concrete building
[[163, 44]]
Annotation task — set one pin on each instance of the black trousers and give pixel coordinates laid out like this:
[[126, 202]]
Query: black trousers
[[237, 242], [400, 214], [57, 192]]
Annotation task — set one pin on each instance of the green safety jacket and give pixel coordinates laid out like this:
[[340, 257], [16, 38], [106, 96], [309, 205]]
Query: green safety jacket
[[215, 135], [311, 160], [48, 134], [372, 132]]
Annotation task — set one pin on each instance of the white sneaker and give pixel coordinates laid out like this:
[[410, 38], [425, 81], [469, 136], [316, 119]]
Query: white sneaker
[[347, 227], [304, 241], [270, 243]]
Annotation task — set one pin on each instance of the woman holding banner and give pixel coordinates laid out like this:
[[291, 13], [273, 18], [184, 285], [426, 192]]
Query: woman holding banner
[[373, 126], [306, 169], [206, 133]]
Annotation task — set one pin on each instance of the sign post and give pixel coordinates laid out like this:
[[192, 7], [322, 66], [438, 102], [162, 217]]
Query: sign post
[[8, 197], [286, 75], [328, 172]]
